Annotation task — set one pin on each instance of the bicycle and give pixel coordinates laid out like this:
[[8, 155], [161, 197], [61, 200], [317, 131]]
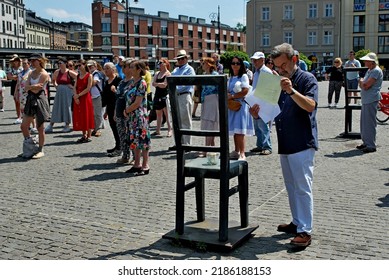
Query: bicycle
[[383, 108]]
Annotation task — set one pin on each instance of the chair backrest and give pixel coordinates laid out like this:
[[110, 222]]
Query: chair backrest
[[221, 82]]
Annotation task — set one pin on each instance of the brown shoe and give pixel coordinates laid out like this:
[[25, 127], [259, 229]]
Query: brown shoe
[[288, 228], [302, 239]]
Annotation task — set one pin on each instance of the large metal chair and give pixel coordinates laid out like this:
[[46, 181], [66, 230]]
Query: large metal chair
[[226, 236]]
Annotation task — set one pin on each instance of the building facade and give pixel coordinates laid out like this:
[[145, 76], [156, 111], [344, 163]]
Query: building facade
[[12, 27], [313, 28], [80, 34], [324, 29], [38, 32], [156, 36]]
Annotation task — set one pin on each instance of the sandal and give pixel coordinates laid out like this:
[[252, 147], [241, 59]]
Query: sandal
[[134, 170], [265, 152], [155, 133], [82, 140], [169, 134]]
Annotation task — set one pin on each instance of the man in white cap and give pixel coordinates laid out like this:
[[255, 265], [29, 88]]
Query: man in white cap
[[300, 63], [370, 96], [184, 93], [118, 61], [262, 130]]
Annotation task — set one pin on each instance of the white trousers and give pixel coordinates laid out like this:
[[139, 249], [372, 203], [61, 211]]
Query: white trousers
[[297, 170]]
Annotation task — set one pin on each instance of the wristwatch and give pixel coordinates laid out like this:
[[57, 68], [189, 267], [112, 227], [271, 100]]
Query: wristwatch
[[293, 92]]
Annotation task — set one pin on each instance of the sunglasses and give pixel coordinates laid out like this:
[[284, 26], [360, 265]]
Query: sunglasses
[[235, 63], [70, 65], [181, 58]]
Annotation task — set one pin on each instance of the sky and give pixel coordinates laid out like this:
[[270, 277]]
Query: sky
[[231, 11]]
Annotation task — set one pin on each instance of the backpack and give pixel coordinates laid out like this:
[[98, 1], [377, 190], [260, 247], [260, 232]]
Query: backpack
[[30, 147]]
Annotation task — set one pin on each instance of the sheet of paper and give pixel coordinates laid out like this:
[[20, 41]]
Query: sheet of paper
[[268, 88], [267, 111]]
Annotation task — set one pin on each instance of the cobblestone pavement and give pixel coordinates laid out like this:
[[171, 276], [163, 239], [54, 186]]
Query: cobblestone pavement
[[77, 203]]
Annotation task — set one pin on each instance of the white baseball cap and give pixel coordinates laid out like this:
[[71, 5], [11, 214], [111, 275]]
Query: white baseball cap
[[258, 55]]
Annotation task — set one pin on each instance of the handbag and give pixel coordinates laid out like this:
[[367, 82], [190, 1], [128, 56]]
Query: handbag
[[233, 105]]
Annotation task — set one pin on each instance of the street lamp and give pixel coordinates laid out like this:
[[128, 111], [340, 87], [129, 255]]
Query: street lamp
[[213, 17], [127, 26]]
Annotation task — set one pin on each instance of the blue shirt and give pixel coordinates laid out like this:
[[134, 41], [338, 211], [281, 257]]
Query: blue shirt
[[297, 128], [185, 69], [373, 93], [264, 68], [209, 89], [120, 71]]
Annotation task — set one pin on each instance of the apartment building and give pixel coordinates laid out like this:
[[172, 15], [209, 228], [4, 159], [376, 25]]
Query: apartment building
[[312, 27], [12, 27], [80, 34], [322, 28], [152, 36]]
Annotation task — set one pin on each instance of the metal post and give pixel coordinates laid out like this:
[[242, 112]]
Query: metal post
[[127, 31], [218, 26]]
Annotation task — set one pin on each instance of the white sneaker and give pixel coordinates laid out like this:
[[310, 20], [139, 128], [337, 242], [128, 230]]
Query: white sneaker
[[242, 157], [49, 129], [66, 129], [336, 105], [38, 155], [1, 110], [18, 121], [33, 130]]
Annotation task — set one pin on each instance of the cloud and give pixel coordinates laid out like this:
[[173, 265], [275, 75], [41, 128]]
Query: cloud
[[60, 14]]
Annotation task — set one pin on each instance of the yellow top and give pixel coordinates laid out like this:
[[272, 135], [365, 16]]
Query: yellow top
[[148, 79]]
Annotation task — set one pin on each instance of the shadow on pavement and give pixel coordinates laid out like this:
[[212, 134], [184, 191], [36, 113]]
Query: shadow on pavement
[[107, 176], [166, 249], [13, 159], [384, 201], [98, 166], [87, 155], [346, 154], [62, 143]]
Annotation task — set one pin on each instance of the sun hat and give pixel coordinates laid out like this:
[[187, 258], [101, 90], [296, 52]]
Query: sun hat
[[258, 55], [180, 54], [14, 57], [370, 57], [35, 56]]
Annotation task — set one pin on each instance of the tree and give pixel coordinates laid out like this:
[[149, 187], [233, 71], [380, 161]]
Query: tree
[[241, 27], [226, 57]]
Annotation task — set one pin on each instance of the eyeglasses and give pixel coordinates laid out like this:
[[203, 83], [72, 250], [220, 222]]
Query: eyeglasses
[[235, 63], [60, 62], [270, 63], [180, 58], [336, 62], [70, 65], [159, 62]]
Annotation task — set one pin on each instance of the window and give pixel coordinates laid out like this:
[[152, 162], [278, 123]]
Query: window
[[136, 28], [106, 27], [265, 15], [190, 44], [312, 10], [190, 33], [288, 12], [136, 42], [150, 29], [200, 34], [358, 43], [200, 45], [225, 37], [359, 24], [149, 41], [181, 43], [164, 30], [107, 40], [266, 39], [288, 37], [121, 28], [209, 47], [383, 23], [137, 52], [208, 36], [164, 43], [383, 44], [122, 41], [328, 10], [180, 32], [200, 54], [328, 38], [383, 5], [312, 38]]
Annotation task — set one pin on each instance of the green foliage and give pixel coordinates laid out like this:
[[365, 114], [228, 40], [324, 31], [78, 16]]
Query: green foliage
[[241, 27], [226, 57], [361, 53], [306, 60]]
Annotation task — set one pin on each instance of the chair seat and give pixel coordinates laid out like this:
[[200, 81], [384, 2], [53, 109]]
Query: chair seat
[[200, 167]]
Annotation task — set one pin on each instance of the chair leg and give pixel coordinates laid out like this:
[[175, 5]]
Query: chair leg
[[243, 182], [223, 209], [180, 205], [200, 207]]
